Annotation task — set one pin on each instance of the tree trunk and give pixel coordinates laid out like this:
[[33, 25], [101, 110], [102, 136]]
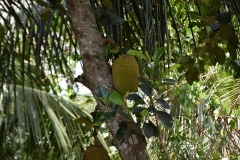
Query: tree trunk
[[97, 73]]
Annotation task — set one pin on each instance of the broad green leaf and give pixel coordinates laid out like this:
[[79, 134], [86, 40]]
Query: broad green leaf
[[226, 32], [144, 112], [152, 109], [145, 86], [105, 20], [116, 98], [121, 51], [234, 41], [99, 119], [97, 57], [137, 111], [216, 4], [89, 101], [135, 97], [138, 102], [174, 66], [158, 54], [201, 50], [149, 130], [86, 121], [108, 4], [46, 14], [119, 134], [184, 59], [113, 106], [165, 118], [61, 9], [109, 115], [107, 49], [163, 103], [117, 21], [223, 18], [207, 19], [232, 51], [121, 131], [128, 7], [58, 1], [83, 120], [136, 53], [114, 49], [42, 3], [147, 89], [206, 40], [232, 46], [192, 75], [194, 14], [102, 93], [218, 53]]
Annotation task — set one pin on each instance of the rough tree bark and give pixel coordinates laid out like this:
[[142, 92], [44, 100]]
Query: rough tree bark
[[97, 73]]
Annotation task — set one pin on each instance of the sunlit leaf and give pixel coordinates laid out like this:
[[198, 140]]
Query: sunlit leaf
[[144, 112], [207, 19], [86, 121], [158, 54], [116, 98], [107, 3], [136, 53]]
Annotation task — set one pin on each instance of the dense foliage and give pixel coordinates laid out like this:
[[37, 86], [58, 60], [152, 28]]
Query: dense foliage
[[188, 98]]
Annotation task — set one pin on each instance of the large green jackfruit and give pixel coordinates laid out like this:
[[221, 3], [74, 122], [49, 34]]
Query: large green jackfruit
[[96, 152], [125, 71]]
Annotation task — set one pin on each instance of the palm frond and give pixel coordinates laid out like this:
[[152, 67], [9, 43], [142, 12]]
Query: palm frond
[[37, 122], [28, 41], [227, 89]]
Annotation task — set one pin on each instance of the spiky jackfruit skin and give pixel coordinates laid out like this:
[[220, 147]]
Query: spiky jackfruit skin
[[125, 71], [96, 152]]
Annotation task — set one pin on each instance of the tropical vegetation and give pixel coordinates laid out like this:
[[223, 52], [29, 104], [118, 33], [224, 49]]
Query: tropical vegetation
[[187, 103]]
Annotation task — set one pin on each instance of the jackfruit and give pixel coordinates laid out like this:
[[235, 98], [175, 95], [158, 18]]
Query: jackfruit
[[96, 152], [125, 71]]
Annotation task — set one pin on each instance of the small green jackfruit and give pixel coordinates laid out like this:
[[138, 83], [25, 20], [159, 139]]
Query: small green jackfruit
[[96, 152], [125, 71]]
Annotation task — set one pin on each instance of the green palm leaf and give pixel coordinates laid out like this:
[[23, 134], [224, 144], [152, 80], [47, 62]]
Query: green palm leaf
[[34, 121]]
